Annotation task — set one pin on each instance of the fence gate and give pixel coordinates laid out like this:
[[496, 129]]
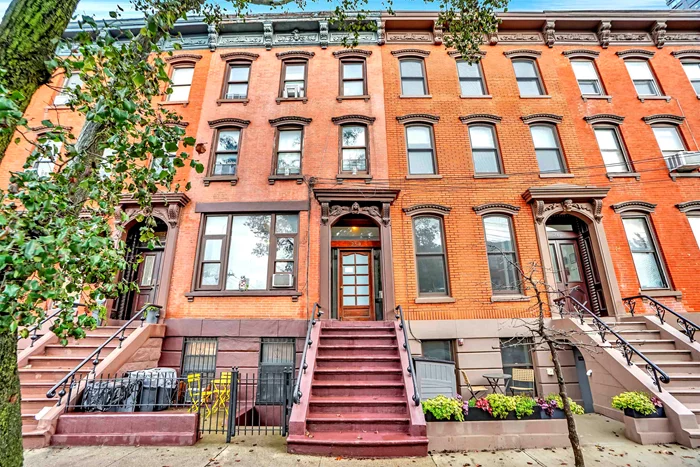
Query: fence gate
[[238, 403]]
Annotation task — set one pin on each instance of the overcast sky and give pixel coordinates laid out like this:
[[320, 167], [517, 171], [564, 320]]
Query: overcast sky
[[100, 8]]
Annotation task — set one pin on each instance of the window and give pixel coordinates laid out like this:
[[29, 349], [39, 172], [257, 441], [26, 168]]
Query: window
[[413, 77], [471, 83], [438, 350], [181, 82], [247, 252], [484, 149], [236, 85], [160, 163], [293, 80], [517, 353], [611, 149], [45, 164], [431, 262], [695, 226], [502, 258], [692, 69], [421, 155], [352, 76], [642, 77], [669, 140], [288, 154], [547, 148], [276, 356], [353, 149], [226, 155], [69, 83], [644, 253], [528, 78], [199, 356], [587, 77]]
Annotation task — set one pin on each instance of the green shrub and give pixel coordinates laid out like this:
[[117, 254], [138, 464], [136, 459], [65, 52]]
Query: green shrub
[[444, 408], [639, 401], [501, 405], [575, 408], [524, 406]]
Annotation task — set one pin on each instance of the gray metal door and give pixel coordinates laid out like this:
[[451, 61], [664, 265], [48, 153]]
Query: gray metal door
[[583, 381]]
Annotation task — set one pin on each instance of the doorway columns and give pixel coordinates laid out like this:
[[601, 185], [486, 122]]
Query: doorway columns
[[585, 203], [375, 204]]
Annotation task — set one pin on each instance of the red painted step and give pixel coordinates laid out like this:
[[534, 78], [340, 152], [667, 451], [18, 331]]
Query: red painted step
[[358, 444], [349, 404]]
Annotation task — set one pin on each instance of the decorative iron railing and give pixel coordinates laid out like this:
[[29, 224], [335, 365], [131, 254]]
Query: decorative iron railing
[[51, 314], [411, 368], [627, 349], [316, 314], [688, 326], [69, 379]]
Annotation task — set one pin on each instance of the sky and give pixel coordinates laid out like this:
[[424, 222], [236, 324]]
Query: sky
[[101, 8]]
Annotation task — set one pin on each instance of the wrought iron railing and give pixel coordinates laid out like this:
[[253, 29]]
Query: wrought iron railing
[[94, 357], [411, 368], [688, 326], [627, 349], [51, 314], [315, 316]]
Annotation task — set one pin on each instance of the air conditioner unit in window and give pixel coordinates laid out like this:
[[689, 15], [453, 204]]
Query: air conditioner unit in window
[[282, 280], [684, 161], [292, 91]]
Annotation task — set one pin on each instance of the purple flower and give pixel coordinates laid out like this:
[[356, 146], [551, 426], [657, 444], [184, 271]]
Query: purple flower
[[656, 401]]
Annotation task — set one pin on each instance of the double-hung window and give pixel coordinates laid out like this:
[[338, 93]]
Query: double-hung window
[[237, 77], [353, 152], [611, 150], [694, 221], [241, 252], [587, 77], [547, 148], [502, 257], [421, 153], [293, 80], [471, 81], [642, 77], [645, 254], [44, 165], [413, 77], [528, 77], [70, 83], [669, 141], [226, 154], [288, 154], [277, 355], [181, 82], [431, 260], [353, 79], [484, 149], [692, 70]]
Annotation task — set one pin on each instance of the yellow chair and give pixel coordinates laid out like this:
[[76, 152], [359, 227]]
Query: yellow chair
[[222, 392], [520, 376], [198, 395], [474, 390]]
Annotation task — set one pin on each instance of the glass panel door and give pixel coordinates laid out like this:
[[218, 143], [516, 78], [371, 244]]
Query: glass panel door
[[355, 295]]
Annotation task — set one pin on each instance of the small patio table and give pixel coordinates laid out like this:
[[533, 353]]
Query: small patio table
[[494, 378]]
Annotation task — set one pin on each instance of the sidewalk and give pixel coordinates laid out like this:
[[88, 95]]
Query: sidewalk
[[605, 445]]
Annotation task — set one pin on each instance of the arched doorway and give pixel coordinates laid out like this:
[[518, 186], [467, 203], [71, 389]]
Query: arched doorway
[[145, 269]]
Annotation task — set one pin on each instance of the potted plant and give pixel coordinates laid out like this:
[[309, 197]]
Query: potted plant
[[639, 405], [442, 408], [552, 406], [479, 410], [502, 406], [526, 407]]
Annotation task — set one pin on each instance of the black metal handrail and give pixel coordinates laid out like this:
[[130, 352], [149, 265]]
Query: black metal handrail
[[627, 349], [34, 329], [95, 355], [315, 316], [411, 369], [689, 327]]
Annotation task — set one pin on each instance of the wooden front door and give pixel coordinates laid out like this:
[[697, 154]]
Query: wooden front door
[[355, 290], [147, 278], [568, 270]]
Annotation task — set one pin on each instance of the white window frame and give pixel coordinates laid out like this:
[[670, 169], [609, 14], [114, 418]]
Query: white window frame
[[652, 79]]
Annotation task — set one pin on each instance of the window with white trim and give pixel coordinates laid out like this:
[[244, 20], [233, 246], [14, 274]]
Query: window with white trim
[[645, 254], [528, 77], [471, 81], [69, 83], [413, 77], [421, 153], [587, 77], [692, 70], [547, 148], [237, 77], [642, 77], [484, 149], [695, 226], [669, 139], [611, 149], [181, 82], [45, 164]]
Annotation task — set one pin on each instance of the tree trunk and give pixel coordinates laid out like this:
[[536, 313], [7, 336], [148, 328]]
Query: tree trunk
[[570, 421], [10, 409], [26, 32]]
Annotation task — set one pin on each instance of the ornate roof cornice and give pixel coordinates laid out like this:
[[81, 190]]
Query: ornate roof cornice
[[418, 118], [225, 122], [581, 53], [290, 120], [639, 206], [635, 53], [604, 118], [522, 53], [542, 118], [418, 209], [496, 208], [663, 118], [410, 53], [239, 56], [303, 54], [352, 53], [480, 118], [689, 206], [343, 119], [181, 58], [687, 53]]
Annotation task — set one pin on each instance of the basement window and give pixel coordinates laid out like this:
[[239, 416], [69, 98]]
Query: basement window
[[276, 356], [199, 356]]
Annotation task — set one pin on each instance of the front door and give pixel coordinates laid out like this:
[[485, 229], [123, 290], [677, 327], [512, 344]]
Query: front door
[[355, 290], [566, 266], [147, 278]]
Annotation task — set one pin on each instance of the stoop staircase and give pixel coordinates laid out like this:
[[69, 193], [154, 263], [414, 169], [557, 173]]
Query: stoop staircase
[[49, 365], [358, 404]]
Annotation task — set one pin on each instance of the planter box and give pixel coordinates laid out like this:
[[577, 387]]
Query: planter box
[[634, 414], [429, 417], [477, 415], [557, 414]]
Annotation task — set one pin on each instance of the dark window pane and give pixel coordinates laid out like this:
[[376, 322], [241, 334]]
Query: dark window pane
[[431, 274], [439, 350], [428, 234], [504, 277]]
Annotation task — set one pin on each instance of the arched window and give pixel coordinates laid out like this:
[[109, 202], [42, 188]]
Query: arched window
[[431, 257], [354, 144], [484, 144], [547, 148], [421, 149], [413, 81]]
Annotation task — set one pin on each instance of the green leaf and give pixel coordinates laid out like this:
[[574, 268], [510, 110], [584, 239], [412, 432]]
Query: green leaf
[[138, 79], [7, 104]]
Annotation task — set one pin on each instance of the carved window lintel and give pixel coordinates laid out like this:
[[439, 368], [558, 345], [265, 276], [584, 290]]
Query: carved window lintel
[[636, 53], [581, 53], [689, 206], [541, 118], [418, 118], [610, 119], [496, 208], [343, 119], [183, 58], [639, 206], [249, 56], [669, 119], [480, 118], [229, 122], [523, 53], [402, 53], [436, 209], [290, 120]]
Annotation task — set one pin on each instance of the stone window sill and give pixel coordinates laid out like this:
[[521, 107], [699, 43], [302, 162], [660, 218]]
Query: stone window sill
[[662, 293], [487, 176], [427, 96], [675, 175], [342, 177], [485, 96], [273, 178], [545, 96], [586, 97], [423, 176], [510, 298], [612, 175], [232, 101], [291, 99], [221, 178], [654, 98], [295, 294], [182, 103], [556, 175], [364, 97], [434, 300]]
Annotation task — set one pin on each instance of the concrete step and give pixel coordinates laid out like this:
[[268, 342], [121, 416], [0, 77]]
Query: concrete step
[[35, 439], [52, 375], [94, 341], [629, 326], [657, 356], [346, 405], [684, 381], [685, 396], [653, 344], [35, 389], [35, 404], [357, 388], [107, 331], [357, 324], [358, 445], [676, 367], [75, 350], [381, 332], [66, 363], [359, 350], [29, 423], [358, 374], [110, 439], [354, 361], [650, 334], [364, 339], [358, 422]]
